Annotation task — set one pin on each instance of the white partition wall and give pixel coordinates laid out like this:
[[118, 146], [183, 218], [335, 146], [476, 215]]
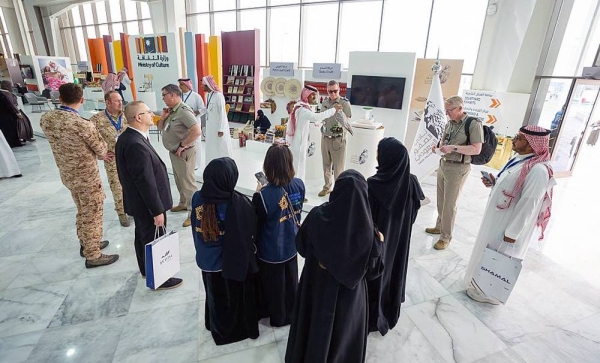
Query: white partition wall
[[385, 65]]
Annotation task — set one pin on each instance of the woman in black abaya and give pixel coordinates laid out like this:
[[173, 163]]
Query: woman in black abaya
[[342, 249], [224, 229], [395, 198]]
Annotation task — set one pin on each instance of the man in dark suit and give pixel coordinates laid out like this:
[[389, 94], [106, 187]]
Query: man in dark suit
[[143, 175]]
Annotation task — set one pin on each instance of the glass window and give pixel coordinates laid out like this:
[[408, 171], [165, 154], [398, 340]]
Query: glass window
[[76, 16], [133, 28], [145, 10], [359, 30], [284, 2], [256, 19], [284, 34], [456, 28], [115, 10], [252, 3], [103, 29], [223, 5], [405, 17], [117, 29], [224, 22], [88, 15], [147, 26], [313, 1], [81, 46], [200, 24], [130, 10], [101, 12], [91, 31], [318, 42], [197, 6], [9, 45]]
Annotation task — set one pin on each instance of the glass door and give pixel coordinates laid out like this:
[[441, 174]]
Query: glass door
[[571, 128]]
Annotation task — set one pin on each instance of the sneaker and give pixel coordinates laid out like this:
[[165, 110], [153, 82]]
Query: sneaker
[[323, 192], [473, 294], [103, 245], [103, 260], [124, 220], [178, 208], [171, 283], [432, 230], [187, 222], [441, 245]]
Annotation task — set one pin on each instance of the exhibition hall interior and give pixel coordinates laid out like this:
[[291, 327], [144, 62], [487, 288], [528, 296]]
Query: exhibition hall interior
[[513, 62]]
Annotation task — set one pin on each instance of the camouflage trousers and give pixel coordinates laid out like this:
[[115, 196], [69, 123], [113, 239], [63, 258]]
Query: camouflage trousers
[[115, 185], [90, 204]]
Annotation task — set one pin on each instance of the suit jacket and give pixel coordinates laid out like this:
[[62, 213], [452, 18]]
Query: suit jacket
[[143, 175]]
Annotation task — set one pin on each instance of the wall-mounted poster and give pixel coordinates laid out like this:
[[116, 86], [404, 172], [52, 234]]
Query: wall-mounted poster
[[55, 71], [27, 72]]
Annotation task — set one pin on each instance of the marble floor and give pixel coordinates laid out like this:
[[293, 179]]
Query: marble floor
[[52, 309]]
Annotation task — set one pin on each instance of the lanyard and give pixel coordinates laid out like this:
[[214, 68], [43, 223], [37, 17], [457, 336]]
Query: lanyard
[[69, 109], [512, 162], [209, 97], [188, 96], [451, 134], [117, 124]]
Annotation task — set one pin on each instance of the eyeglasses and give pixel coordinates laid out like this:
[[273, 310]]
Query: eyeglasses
[[333, 90], [143, 113], [164, 94], [452, 109], [518, 137]]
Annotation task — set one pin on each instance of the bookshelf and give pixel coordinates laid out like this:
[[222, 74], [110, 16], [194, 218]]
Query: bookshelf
[[241, 57]]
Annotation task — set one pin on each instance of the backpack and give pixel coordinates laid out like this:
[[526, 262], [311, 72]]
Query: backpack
[[488, 147]]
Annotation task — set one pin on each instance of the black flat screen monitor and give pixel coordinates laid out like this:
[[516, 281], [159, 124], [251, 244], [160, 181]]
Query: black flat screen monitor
[[374, 91]]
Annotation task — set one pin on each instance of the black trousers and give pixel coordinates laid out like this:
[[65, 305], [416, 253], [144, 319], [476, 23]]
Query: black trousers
[[144, 233]]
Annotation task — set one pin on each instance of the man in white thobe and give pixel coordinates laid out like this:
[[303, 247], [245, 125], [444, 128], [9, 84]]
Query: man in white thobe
[[519, 204], [218, 139], [196, 103], [298, 128]]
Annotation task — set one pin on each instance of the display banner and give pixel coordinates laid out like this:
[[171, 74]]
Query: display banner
[[327, 70], [450, 75], [52, 72], [502, 111], [155, 62], [282, 69], [431, 128]]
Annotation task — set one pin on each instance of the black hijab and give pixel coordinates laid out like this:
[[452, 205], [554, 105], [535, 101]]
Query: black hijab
[[220, 178], [341, 231]]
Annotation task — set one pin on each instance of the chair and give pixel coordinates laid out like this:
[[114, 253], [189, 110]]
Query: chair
[[54, 97], [34, 100]]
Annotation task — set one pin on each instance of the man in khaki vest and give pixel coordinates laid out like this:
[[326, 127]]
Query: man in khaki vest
[[110, 124], [333, 144], [77, 146]]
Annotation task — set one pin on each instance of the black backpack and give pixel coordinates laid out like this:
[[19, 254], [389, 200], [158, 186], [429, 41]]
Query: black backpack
[[488, 148]]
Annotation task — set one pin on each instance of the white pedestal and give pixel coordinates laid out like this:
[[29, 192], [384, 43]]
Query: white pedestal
[[361, 150], [149, 98], [314, 159]]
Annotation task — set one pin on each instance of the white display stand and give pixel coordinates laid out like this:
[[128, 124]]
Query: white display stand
[[93, 99], [361, 150], [314, 159], [149, 98]]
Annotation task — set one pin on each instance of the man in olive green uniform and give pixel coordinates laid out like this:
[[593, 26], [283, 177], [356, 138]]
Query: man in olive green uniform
[[455, 166], [180, 129], [77, 146], [110, 124], [333, 144]]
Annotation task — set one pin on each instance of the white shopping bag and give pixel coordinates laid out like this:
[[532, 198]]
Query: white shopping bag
[[496, 274], [162, 259]]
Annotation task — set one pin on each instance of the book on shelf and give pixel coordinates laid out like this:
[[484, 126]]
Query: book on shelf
[[229, 89], [251, 109], [238, 106], [236, 90], [240, 99], [230, 80], [237, 81], [248, 99], [249, 81], [251, 71]]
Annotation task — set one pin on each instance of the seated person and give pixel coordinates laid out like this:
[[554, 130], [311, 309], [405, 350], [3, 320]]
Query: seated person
[[262, 123]]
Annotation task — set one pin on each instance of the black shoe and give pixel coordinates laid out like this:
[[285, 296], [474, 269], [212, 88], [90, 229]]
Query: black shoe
[[17, 176], [103, 260], [103, 245], [171, 283]]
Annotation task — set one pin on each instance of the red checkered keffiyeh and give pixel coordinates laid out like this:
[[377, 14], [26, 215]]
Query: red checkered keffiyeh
[[538, 138], [211, 83], [111, 83], [187, 82], [306, 91]]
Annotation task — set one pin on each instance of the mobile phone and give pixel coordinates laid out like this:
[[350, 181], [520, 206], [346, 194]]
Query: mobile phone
[[260, 176], [487, 176]]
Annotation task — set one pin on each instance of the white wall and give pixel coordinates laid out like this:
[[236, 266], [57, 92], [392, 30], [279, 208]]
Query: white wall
[[385, 65]]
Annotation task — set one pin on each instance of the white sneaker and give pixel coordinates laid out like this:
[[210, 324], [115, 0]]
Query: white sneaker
[[473, 294]]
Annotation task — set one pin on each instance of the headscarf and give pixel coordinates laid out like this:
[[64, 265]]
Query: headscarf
[[341, 231], [538, 138], [260, 113], [211, 83], [306, 91], [220, 177], [391, 182], [122, 73], [110, 83], [187, 82]]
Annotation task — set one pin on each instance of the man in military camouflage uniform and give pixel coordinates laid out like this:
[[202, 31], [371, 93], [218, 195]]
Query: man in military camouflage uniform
[[76, 146], [333, 145], [110, 124], [180, 129]]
